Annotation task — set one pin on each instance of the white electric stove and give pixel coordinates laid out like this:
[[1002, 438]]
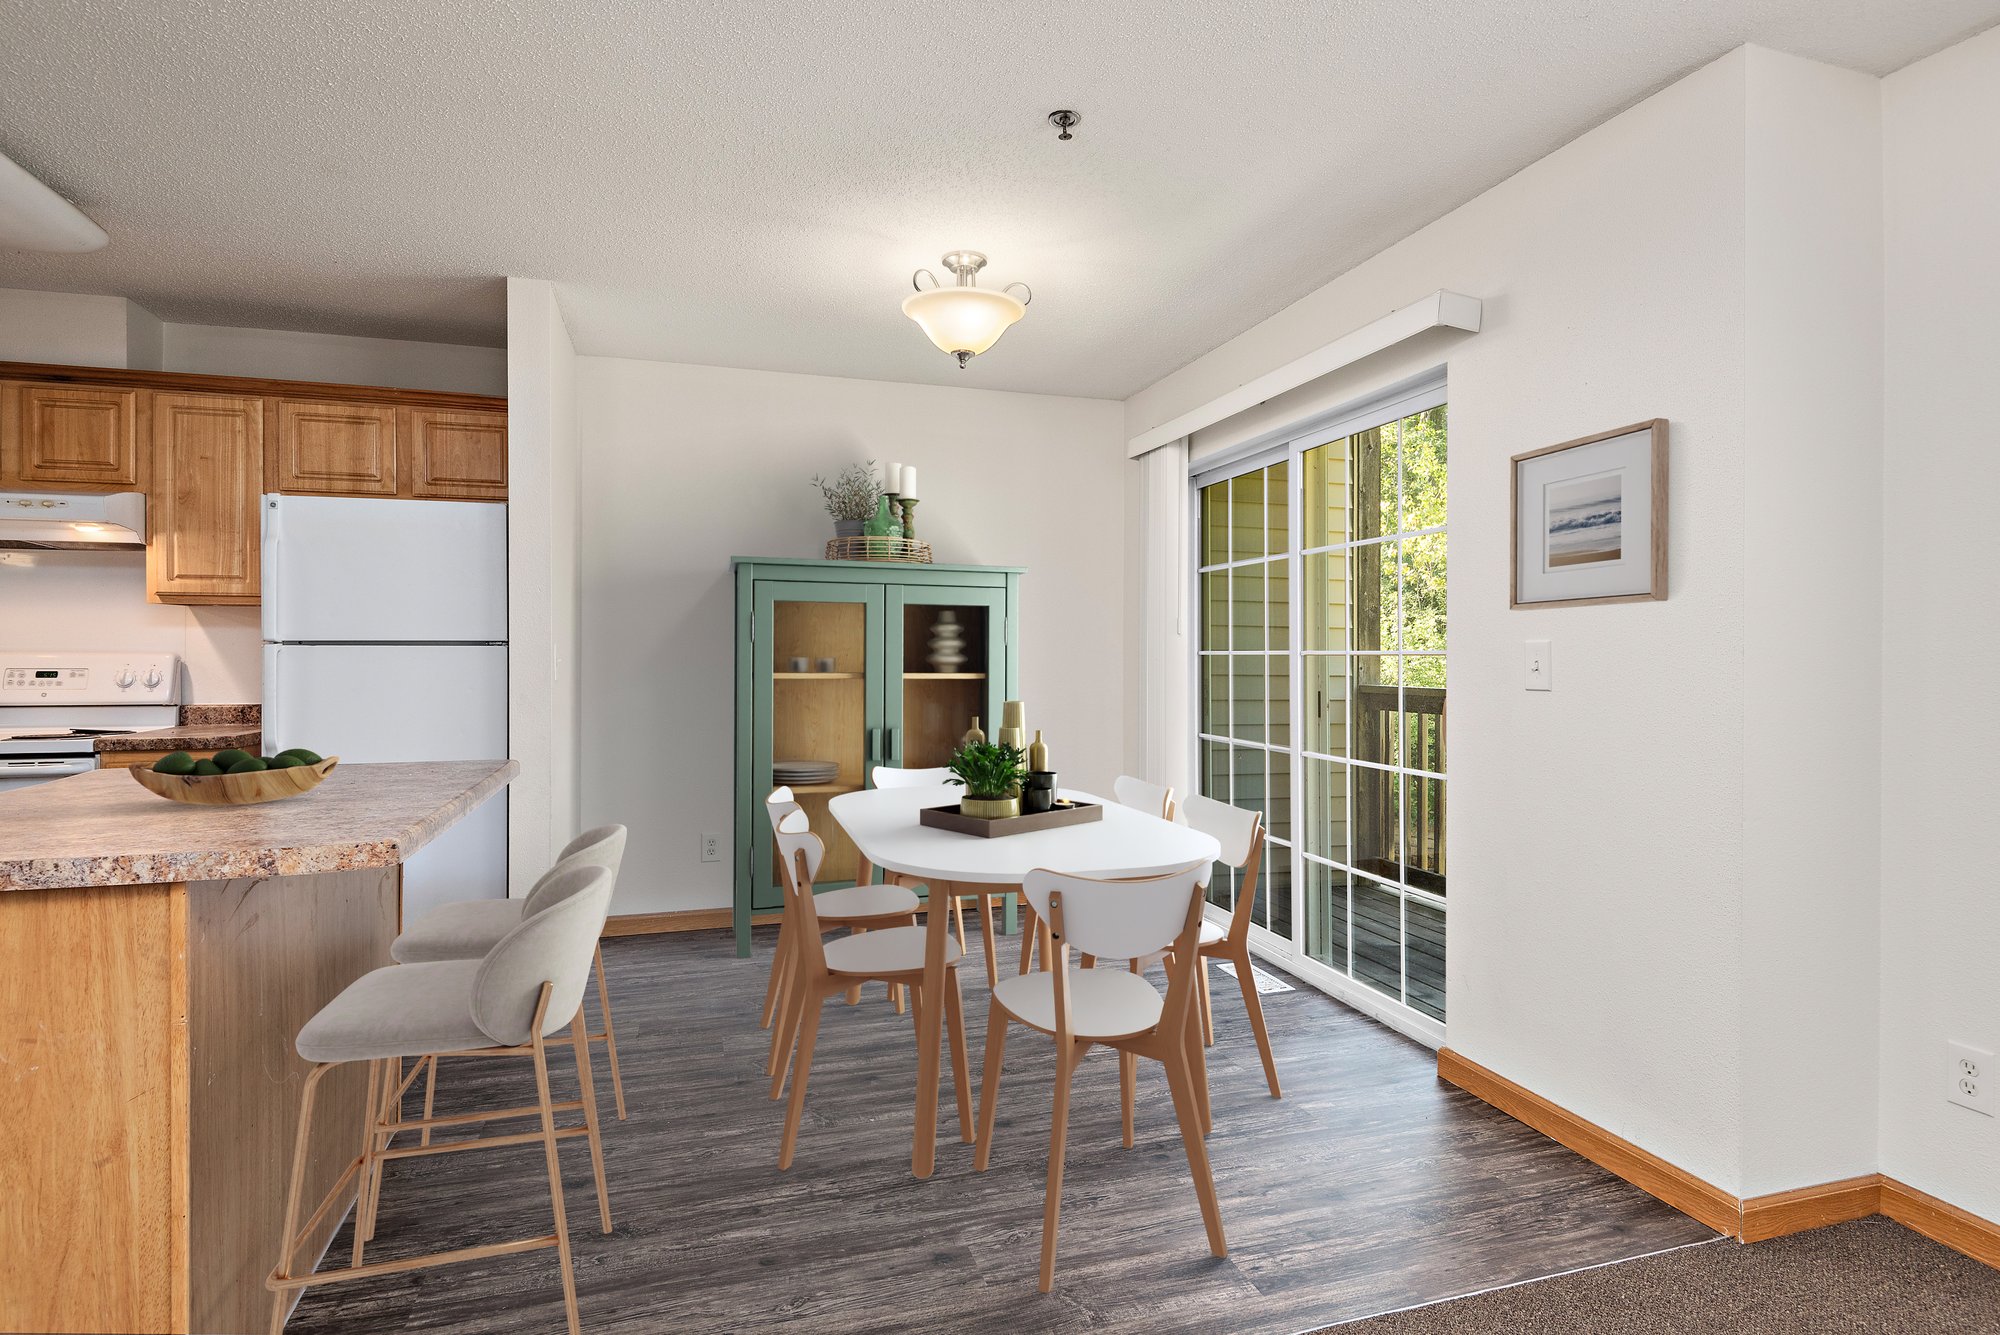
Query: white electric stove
[[53, 707]]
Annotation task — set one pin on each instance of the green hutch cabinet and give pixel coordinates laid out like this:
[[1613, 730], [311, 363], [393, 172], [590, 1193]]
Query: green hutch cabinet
[[881, 701]]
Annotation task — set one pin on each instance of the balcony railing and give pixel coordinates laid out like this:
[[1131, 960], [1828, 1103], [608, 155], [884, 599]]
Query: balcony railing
[[1420, 859]]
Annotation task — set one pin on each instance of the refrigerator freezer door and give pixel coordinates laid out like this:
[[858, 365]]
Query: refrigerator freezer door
[[339, 569]]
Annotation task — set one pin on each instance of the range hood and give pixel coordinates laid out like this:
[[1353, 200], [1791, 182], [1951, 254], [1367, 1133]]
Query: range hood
[[73, 521]]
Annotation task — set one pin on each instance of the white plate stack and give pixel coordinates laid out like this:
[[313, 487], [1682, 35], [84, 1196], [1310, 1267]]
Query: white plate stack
[[804, 773]]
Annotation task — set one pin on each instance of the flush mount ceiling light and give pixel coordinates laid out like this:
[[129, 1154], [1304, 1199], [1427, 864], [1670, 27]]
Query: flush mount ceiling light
[[967, 319], [34, 217]]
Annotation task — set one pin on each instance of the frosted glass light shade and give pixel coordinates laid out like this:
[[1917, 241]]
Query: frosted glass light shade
[[966, 320]]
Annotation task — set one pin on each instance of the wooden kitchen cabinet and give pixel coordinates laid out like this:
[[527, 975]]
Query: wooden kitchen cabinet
[[208, 474], [456, 456], [334, 448], [74, 437]]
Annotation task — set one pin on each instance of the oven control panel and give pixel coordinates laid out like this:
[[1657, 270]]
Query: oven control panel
[[89, 678]]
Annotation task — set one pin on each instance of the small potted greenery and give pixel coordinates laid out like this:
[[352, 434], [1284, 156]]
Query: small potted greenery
[[991, 775], [852, 497]]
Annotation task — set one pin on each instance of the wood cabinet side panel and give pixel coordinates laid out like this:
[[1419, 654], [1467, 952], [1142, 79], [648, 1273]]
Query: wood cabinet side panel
[[92, 1034], [263, 956]]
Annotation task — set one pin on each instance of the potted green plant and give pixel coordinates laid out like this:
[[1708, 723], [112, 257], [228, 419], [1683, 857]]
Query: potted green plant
[[852, 497], [991, 775]]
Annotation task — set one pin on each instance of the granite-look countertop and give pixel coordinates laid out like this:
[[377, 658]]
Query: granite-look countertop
[[102, 828], [186, 737]]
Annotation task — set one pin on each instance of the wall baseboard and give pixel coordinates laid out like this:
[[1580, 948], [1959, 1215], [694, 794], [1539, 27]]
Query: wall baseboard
[[1783, 1212], [1940, 1221], [680, 920], [1756, 1219], [1653, 1175]]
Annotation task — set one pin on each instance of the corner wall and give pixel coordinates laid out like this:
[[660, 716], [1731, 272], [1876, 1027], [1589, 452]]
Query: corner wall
[[544, 606], [687, 466], [1940, 923]]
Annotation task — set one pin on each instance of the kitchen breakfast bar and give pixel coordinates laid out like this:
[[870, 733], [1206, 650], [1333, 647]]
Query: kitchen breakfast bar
[[156, 963]]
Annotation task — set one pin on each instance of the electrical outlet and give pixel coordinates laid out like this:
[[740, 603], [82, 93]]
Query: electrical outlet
[[1972, 1076], [711, 848]]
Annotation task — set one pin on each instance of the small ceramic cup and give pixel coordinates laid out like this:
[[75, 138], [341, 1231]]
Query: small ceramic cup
[[801, 663], [825, 665]]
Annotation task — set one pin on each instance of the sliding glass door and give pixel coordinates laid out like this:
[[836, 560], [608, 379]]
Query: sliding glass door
[[1321, 696]]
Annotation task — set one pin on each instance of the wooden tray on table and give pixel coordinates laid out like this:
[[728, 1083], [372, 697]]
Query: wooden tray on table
[[1065, 813]]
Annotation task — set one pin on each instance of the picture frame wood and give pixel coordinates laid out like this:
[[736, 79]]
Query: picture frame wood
[[1656, 429]]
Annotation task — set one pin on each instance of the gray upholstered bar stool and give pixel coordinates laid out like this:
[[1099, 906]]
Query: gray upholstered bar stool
[[468, 929], [508, 1004]]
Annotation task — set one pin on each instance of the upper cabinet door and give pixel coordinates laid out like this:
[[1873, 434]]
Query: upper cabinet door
[[334, 449], [208, 464], [77, 436], [456, 456]]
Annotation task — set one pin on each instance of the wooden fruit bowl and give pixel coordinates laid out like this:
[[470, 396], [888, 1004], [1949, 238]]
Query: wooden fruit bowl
[[234, 790]]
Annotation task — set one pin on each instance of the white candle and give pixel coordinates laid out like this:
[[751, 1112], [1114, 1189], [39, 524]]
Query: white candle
[[892, 477], [909, 482]]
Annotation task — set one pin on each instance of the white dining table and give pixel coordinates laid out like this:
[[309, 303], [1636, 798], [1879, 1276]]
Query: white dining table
[[883, 824]]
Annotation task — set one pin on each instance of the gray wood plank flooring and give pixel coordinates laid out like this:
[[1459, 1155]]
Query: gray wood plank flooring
[[1371, 1186]]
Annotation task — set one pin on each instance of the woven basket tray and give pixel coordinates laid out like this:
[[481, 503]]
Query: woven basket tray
[[879, 549]]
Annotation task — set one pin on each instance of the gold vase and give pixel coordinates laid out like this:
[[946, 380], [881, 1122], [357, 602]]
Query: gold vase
[[989, 808]]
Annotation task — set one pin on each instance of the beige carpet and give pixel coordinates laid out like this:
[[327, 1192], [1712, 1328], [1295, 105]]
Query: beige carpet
[[1872, 1276]]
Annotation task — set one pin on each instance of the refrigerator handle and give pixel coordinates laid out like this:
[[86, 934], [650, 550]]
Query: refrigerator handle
[[268, 562]]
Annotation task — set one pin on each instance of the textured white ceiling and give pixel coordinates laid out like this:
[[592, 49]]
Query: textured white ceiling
[[750, 183]]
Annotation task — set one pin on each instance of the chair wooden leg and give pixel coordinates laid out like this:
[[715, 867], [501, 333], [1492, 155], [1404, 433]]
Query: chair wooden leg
[[801, 1073], [899, 995], [430, 1095], [1197, 1064], [1030, 930], [854, 993], [1247, 980], [1128, 1091], [1088, 960], [992, 948], [580, 1040], [1207, 1004], [989, 1089], [1058, 1137], [281, 1299], [958, 922], [784, 1033], [780, 971], [373, 1105], [610, 1038], [954, 1019], [555, 1180], [1180, 1082]]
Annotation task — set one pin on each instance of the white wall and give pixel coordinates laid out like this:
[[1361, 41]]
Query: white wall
[[1812, 616], [1598, 829], [68, 329], [1940, 726], [687, 466], [543, 596], [341, 359]]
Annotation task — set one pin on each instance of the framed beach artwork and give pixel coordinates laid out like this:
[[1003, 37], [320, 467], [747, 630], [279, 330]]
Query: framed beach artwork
[[1590, 519]]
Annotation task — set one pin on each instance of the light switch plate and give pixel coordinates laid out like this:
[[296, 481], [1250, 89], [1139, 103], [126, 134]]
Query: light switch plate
[[1540, 669]]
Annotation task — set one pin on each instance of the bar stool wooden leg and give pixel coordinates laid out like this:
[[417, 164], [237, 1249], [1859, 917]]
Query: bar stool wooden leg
[[430, 1095], [367, 1157], [580, 1040], [281, 1298], [555, 1170], [610, 1035]]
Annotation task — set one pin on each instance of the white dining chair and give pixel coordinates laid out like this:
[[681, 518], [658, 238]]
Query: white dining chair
[[822, 968], [525, 990], [1151, 798], [1083, 1008], [888, 776], [859, 908], [1241, 834], [467, 929]]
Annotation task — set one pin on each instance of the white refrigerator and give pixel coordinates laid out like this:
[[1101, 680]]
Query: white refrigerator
[[385, 639]]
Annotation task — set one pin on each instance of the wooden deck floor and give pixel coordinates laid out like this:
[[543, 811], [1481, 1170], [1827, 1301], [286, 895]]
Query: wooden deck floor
[[1370, 1187]]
